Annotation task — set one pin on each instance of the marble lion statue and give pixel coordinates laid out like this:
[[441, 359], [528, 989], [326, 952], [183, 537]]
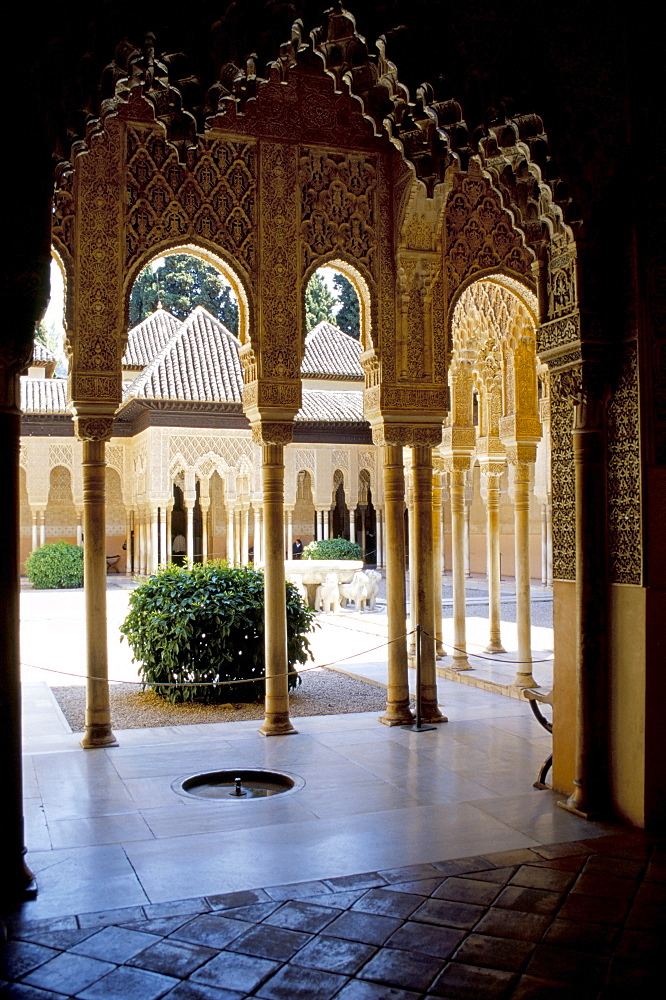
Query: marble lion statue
[[356, 591], [373, 578], [328, 594]]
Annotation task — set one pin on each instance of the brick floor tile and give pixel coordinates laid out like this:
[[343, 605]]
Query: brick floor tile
[[404, 969], [580, 968], [463, 865], [177, 907], [114, 944], [529, 900], [359, 989], [230, 900], [173, 958], [494, 952], [197, 991], [448, 913], [22, 991], [579, 935], [467, 890], [232, 971], [210, 929], [532, 877], [467, 982], [388, 904], [530, 988], [297, 915], [265, 941], [68, 973], [410, 873], [617, 867], [365, 927], [338, 900], [575, 863], [252, 914], [523, 856], [513, 924], [598, 883], [499, 875], [296, 983], [17, 958], [365, 881], [593, 909], [428, 939], [128, 984], [334, 955], [635, 972]]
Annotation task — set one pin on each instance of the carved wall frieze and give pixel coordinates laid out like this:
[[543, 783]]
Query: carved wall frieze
[[557, 334], [338, 205], [212, 198], [408, 398]]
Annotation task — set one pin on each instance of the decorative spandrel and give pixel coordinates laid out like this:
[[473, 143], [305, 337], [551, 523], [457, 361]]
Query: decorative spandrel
[[213, 198]]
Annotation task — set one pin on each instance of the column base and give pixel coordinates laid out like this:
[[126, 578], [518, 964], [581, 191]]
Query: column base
[[494, 646], [398, 713], [461, 663], [578, 803], [277, 724], [440, 652], [97, 736], [430, 713], [525, 681]]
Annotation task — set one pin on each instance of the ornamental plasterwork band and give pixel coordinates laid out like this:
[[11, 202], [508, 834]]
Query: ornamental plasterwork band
[[406, 435], [93, 428], [265, 433]]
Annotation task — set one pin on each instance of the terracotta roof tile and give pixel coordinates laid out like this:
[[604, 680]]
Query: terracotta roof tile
[[41, 355], [200, 362], [43, 395], [320, 404], [145, 341], [329, 351]]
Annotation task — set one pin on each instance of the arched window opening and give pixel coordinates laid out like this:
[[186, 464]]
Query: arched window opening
[[331, 297], [178, 283]]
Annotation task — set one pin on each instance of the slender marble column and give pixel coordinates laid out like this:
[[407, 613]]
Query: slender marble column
[[457, 491], [362, 540], [544, 545], [324, 523], [245, 536], [380, 537], [42, 527], [493, 561], [256, 540], [204, 532], [128, 541], [352, 525], [230, 536], [189, 509], [290, 532], [35, 530], [163, 536], [422, 572], [154, 539], [591, 796], [169, 553], [397, 694], [276, 721], [437, 575], [466, 546], [79, 528], [98, 732], [521, 520]]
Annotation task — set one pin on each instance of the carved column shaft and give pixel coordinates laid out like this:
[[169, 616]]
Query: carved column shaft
[[493, 559], [457, 492], [437, 541], [276, 721], [423, 575], [397, 695], [521, 509], [98, 732]]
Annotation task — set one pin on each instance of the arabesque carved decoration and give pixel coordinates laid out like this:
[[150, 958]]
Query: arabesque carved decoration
[[93, 428], [562, 298], [563, 478], [212, 198], [480, 233], [338, 205], [623, 471]]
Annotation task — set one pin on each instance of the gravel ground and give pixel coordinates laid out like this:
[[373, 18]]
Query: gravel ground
[[323, 692]]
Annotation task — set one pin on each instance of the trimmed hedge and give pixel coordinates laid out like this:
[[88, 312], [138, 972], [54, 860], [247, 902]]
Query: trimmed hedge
[[203, 626], [333, 548], [55, 565]]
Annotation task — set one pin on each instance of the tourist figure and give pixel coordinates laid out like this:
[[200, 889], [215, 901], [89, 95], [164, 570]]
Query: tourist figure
[[297, 549]]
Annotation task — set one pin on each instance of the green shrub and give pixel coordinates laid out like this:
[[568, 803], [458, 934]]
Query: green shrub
[[332, 548], [55, 565], [204, 624]]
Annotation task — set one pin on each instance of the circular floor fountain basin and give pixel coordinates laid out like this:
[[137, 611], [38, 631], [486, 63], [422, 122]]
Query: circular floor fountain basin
[[239, 784]]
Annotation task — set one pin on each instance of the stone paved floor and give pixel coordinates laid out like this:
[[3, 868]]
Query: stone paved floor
[[577, 921]]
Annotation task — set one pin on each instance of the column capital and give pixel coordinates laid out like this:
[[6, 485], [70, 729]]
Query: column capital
[[521, 453], [280, 433], [404, 435], [93, 427]]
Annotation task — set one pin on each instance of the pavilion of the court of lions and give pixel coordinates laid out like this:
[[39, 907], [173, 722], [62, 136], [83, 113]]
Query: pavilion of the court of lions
[[484, 422]]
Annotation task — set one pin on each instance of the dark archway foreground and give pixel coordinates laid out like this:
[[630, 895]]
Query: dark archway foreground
[[520, 159]]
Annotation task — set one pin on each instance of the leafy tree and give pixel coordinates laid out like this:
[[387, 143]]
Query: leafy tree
[[202, 628], [348, 316], [319, 302], [179, 284]]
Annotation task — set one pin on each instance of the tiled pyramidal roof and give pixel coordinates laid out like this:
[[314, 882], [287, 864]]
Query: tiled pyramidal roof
[[329, 351], [145, 341], [321, 404], [43, 395], [200, 362], [41, 355]]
